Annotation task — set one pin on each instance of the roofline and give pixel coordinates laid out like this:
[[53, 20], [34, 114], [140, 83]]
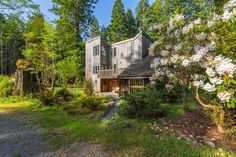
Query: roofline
[[95, 38], [127, 40], [120, 42]]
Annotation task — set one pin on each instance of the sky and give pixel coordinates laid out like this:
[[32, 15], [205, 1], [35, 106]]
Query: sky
[[102, 12]]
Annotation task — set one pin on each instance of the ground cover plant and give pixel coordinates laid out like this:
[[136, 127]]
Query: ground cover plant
[[124, 137]]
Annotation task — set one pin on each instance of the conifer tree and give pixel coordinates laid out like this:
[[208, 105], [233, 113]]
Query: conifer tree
[[94, 27], [142, 14], [118, 26], [131, 24]]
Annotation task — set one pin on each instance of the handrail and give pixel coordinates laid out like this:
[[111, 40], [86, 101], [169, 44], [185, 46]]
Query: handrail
[[110, 73]]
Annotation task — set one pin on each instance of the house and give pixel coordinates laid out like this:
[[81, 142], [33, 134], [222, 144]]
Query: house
[[121, 66]]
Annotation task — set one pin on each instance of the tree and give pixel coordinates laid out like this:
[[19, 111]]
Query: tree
[[105, 34], [94, 27], [117, 28], [35, 50], [195, 54], [18, 6], [12, 42], [142, 14], [73, 23], [131, 24]]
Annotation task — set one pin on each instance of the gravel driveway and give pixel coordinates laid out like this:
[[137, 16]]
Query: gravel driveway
[[17, 140]]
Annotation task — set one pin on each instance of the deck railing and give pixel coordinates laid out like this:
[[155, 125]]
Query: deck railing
[[109, 73]]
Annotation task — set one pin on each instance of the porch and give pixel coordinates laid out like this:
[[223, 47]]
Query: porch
[[109, 73], [110, 85]]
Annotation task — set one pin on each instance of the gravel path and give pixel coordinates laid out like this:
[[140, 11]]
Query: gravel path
[[21, 141]]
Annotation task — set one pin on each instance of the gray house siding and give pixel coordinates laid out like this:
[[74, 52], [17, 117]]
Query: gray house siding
[[114, 58]]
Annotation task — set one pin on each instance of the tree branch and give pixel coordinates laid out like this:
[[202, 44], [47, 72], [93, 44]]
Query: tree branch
[[197, 96]]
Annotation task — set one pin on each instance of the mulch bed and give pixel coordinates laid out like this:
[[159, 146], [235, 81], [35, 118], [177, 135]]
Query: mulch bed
[[195, 127]]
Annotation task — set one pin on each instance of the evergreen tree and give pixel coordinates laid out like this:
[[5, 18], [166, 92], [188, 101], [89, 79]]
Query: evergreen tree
[[73, 23], [94, 28], [118, 26], [105, 34], [142, 14], [131, 24]]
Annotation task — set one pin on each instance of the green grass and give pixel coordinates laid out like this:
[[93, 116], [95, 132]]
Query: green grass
[[137, 140]]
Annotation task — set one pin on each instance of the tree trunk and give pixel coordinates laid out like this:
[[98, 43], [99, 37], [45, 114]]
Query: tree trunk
[[185, 99]]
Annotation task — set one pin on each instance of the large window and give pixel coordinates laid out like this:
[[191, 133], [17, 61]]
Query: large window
[[96, 68], [96, 50]]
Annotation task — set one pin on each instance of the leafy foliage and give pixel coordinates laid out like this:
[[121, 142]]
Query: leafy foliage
[[6, 86]]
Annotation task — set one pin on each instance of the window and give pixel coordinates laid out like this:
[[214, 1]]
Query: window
[[114, 66], [96, 50], [114, 50], [96, 69]]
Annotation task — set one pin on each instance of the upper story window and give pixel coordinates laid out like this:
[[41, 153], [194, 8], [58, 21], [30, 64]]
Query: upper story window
[[96, 50], [114, 51]]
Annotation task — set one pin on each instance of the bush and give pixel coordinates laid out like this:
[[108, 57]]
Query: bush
[[6, 86], [46, 98], [142, 103], [88, 87], [63, 95], [92, 102]]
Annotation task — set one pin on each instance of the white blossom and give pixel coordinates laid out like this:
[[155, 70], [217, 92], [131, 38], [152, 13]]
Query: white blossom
[[164, 61], [209, 87], [197, 21], [210, 72], [169, 86], [201, 36], [198, 84], [164, 53], [224, 66], [224, 96], [186, 62], [174, 58], [216, 80], [178, 47], [210, 23]]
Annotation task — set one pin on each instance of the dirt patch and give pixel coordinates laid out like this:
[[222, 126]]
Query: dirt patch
[[195, 127], [82, 150]]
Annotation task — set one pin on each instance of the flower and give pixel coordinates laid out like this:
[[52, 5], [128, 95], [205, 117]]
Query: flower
[[198, 84], [216, 80], [169, 86], [201, 36], [210, 23], [186, 62], [224, 96], [164, 53], [174, 58], [197, 21], [209, 87], [224, 66], [178, 47], [210, 72], [164, 61]]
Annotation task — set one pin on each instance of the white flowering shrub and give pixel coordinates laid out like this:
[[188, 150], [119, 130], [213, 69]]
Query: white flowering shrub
[[200, 54]]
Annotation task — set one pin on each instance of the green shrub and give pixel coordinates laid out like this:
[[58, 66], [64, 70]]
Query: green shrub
[[92, 102], [143, 103], [46, 98], [63, 95], [6, 86], [88, 87]]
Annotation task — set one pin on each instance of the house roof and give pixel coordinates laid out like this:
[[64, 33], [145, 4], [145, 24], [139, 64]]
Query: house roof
[[139, 69]]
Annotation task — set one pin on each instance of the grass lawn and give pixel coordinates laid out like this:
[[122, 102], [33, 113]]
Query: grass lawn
[[122, 137]]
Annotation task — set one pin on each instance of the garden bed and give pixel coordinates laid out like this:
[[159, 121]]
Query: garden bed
[[196, 127]]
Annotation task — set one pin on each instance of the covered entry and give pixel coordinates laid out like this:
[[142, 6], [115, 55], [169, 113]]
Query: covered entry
[[110, 85], [137, 75]]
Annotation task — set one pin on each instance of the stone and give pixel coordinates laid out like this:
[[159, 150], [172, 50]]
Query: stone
[[211, 144]]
